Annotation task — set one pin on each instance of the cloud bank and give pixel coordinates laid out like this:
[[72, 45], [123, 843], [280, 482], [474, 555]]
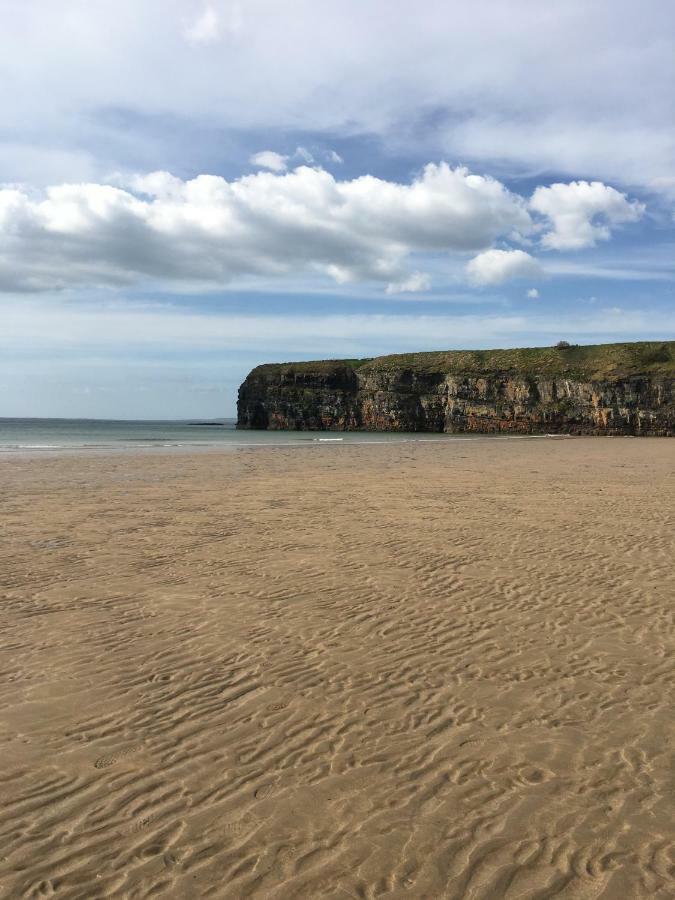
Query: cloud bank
[[576, 87], [91, 330], [206, 231]]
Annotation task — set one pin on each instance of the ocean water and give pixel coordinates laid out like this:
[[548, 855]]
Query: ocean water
[[59, 435]]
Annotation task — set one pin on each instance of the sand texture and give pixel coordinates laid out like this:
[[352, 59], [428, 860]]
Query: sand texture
[[412, 670]]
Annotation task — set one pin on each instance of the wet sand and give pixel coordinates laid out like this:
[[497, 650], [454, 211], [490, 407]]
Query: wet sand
[[393, 671]]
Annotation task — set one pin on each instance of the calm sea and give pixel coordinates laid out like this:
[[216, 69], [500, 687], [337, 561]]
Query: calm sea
[[54, 435]]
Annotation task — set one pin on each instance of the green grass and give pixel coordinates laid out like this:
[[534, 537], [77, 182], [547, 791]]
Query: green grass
[[594, 362], [313, 367]]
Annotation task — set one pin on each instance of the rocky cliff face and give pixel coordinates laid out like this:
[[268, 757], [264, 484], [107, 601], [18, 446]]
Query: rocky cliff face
[[566, 392], [299, 398]]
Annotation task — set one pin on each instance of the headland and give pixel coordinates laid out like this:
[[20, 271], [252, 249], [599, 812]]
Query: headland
[[609, 389]]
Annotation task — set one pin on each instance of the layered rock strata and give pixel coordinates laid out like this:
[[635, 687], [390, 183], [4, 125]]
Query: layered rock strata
[[609, 389]]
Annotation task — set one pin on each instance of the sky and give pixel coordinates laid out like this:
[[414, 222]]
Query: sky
[[190, 189]]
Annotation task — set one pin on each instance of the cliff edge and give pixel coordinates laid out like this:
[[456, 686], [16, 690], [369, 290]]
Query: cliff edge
[[595, 389]]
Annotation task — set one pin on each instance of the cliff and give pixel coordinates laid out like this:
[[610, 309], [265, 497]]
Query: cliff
[[597, 389]]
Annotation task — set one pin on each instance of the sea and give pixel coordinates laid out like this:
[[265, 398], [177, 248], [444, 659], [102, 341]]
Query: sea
[[32, 436]]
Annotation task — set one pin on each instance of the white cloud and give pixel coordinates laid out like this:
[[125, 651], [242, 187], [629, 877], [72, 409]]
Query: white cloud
[[532, 294], [268, 159], [205, 29], [334, 157], [336, 71], [651, 270], [567, 138], [418, 281], [208, 230], [497, 266], [277, 162], [582, 213], [304, 154]]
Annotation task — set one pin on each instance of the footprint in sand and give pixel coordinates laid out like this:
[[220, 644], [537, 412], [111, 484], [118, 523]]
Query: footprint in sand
[[140, 825], [531, 775], [286, 855], [103, 762], [265, 791], [171, 859], [235, 827], [46, 888], [471, 742]]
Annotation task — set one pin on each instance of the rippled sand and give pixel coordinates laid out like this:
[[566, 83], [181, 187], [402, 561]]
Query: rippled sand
[[414, 671]]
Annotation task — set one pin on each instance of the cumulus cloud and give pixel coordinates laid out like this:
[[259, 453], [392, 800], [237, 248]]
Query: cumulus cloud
[[209, 230], [268, 159], [278, 223], [582, 213], [413, 284], [497, 266], [533, 294], [278, 162]]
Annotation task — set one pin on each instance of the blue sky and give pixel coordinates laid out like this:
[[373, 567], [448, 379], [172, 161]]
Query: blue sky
[[188, 189]]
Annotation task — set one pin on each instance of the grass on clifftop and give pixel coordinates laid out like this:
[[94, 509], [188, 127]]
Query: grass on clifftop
[[593, 361], [314, 366]]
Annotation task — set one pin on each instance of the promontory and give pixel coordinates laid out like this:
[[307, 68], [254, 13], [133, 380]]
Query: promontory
[[604, 389]]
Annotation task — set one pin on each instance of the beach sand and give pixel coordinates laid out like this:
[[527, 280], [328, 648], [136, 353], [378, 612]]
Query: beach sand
[[407, 670]]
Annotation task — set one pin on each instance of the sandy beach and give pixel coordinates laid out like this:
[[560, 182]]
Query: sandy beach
[[403, 670]]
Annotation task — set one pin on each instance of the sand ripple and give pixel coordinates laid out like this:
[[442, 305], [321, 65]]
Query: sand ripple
[[389, 671]]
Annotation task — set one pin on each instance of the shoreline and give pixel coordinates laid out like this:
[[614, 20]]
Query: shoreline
[[297, 443]]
